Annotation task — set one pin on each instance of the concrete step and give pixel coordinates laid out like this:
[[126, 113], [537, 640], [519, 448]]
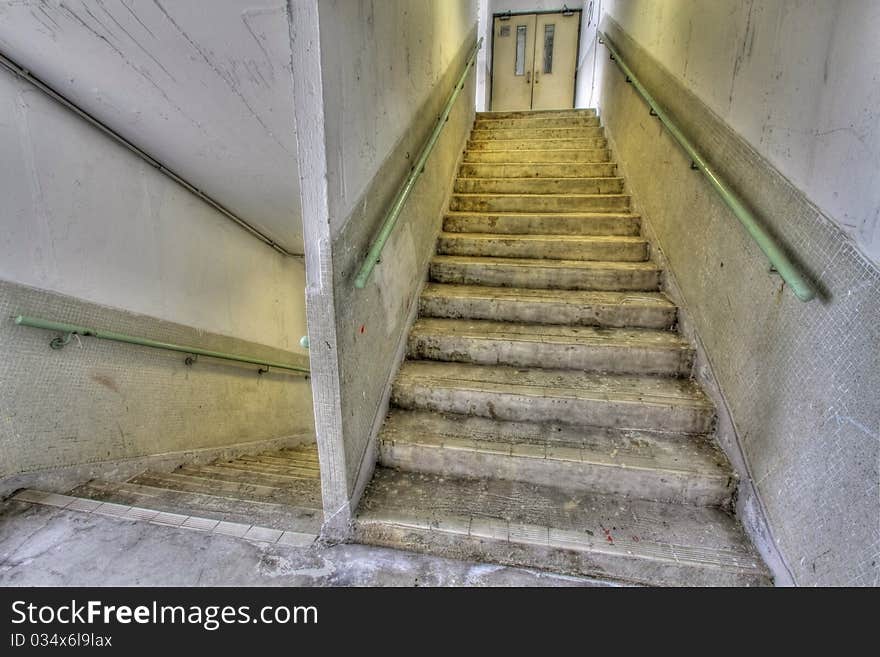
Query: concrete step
[[579, 155], [532, 132], [293, 492], [536, 144], [544, 274], [538, 114], [548, 395], [578, 533], [536, 122], [648, 465], [247, 512], [569, 307], [542, 171], [612, 185], [586, 223], [552, 247], [543, 203], [586, 348]]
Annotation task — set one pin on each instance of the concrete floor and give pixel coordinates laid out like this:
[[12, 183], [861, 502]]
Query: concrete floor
[[46, 546]]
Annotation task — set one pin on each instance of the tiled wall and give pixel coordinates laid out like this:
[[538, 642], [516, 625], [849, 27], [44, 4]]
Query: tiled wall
[[801, 380]]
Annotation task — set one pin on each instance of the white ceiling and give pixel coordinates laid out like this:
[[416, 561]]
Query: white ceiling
[[203, 87]]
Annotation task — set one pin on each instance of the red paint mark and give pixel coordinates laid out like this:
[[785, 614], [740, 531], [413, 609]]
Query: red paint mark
[[608, 536], [635, 538], [363, 328]]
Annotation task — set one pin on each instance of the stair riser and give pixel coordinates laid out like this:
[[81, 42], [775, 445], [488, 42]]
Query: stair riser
[[616, 359], [538, 114], [500, 247], [539, 123], [594, 155], [536, 144], [538, 312], [501, 275], [622, 225], [539, 171], [417, 395], [539, 186], [526, 134], [593, 563], [539, 203], [662, 486]]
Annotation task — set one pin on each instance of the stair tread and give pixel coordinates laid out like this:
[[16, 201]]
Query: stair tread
[[690, 454], [300, 518], [532, 237], [543, 196], [543, 263], [552, 333], [548, 215], [520, 513], [551, 296], [555, 383]]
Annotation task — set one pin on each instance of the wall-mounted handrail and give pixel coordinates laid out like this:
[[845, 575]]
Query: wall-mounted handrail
[[69, 330], [403, 193], [779, 261], [29, 77]]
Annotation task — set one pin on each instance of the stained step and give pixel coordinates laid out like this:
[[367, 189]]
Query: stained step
[[553, 247], [571, 307], [619, 351], [532, 114], [515, 523], [533, 132], [206, 505], [543, 203], [548, 395], [536, 144], [596, 223], [302, 492], [579, 155], [648, 465], [536, 122], [610, 185], [545, 274], [541, 171]]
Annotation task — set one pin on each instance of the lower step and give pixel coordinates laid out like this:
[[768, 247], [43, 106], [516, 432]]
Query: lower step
[[606, 223], [530, 203], [571, 307], [513, 523], [537, 273], [639, 464], [245, 512], [549, 247], [546, 395], [621, 351]]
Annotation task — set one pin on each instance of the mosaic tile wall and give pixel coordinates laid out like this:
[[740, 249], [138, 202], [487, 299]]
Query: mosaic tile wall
[[802, 380], [97, 400]]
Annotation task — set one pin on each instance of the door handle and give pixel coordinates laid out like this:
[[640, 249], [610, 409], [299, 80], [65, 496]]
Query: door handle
[[536, 78], [528, 77]]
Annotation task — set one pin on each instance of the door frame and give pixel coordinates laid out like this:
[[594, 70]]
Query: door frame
[[563, 9]]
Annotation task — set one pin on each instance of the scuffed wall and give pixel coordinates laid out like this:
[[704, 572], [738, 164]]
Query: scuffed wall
[[800, 380], [385, 72], [93, 235], [799, 81], [203, 87]]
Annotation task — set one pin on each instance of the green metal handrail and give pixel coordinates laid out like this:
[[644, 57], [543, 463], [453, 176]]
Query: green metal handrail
[[779, 261], [403, 193], [69, 330]]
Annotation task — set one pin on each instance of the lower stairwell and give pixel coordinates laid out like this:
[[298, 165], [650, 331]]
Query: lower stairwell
[[546, 416]]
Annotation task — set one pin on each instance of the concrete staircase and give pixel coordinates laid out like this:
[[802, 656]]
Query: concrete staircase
[[270, 494], [545, 415]]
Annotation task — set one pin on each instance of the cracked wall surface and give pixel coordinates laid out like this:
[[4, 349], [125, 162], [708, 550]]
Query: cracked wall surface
[[203, 87], [800, 379], [799, 81]]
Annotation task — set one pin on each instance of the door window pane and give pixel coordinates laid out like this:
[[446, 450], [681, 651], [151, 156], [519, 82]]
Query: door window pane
[[520, 65], [549, 31]]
